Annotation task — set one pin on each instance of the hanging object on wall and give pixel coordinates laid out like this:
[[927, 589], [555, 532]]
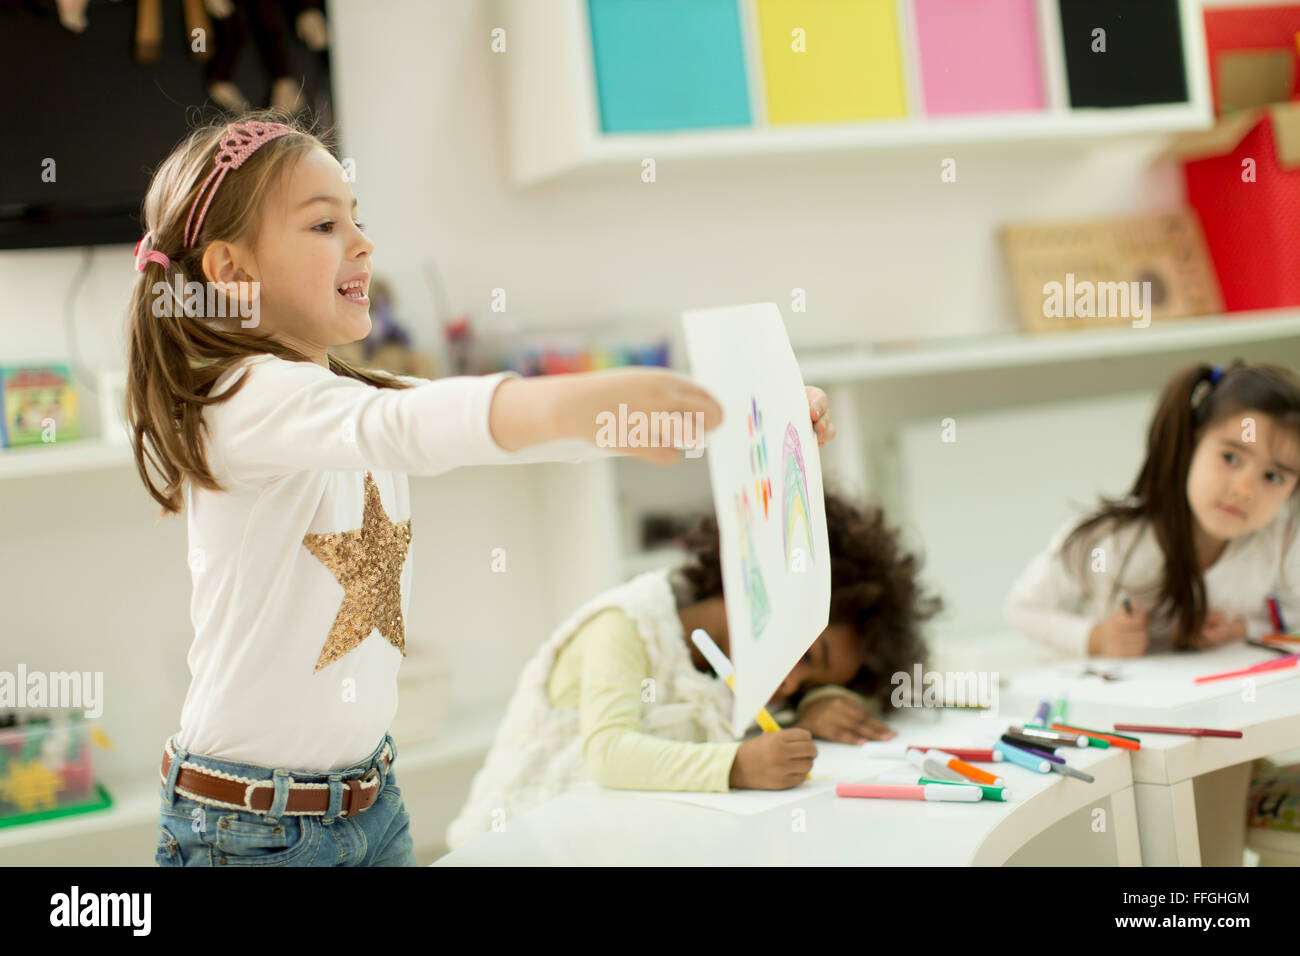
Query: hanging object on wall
[[233, 21], [149, 28]]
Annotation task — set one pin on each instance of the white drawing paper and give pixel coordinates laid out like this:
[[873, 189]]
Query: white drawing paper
[[765, 471]]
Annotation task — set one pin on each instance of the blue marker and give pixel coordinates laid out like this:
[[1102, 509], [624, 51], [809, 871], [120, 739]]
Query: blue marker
[[1017, 756]]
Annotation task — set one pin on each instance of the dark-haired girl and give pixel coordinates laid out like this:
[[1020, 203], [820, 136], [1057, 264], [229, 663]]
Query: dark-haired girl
[[1191, 558], [619, 694]]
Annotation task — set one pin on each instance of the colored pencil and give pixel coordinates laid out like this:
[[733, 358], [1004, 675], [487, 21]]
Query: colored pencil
[[1188, 731], [966, 753], [1277, 664]]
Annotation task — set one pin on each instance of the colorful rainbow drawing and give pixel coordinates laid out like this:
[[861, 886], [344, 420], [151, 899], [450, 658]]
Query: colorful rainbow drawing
[[758, 457], [760, 608], [794, 497]]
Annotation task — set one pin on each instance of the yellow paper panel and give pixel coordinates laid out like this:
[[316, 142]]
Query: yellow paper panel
[[850, 68]]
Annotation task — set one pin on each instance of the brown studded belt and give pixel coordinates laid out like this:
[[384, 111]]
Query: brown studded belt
[[255, 796]]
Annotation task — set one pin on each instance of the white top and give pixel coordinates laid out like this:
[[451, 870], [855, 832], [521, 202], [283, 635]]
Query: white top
[[1060, 605], [291, 667]]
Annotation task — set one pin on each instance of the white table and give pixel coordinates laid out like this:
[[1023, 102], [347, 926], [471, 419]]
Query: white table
[[1190, 791], [1051, 819]]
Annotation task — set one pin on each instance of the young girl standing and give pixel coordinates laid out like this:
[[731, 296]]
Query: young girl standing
[[298, 507], [1191, 558]]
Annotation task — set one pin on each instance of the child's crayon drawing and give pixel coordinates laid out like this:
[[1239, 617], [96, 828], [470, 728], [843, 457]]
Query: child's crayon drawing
[[764, 471], [752, 573], [794, 498], [758, 457]]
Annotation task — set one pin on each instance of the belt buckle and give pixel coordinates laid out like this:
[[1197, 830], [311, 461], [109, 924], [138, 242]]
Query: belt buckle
[[372, 773]]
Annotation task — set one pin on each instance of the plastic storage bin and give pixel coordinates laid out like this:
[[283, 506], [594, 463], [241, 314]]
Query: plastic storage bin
[[46, 769]]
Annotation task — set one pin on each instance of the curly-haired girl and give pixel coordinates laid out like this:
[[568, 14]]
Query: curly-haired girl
[[619, 694]]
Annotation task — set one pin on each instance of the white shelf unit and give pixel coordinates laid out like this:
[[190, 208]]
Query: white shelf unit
[[555, 127]]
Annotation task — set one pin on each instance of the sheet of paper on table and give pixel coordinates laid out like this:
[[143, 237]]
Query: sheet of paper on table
[[1156, 681], [765, 472], [835, 763]]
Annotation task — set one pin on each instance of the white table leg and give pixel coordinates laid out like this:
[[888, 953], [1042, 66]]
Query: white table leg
[[1221, 814], [1167, 824], [1124, 823]]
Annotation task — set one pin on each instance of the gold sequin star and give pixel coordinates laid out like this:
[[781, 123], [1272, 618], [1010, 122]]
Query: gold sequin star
[[368, 563]]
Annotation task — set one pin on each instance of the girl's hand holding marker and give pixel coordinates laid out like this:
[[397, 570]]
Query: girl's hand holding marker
[[776, 760], [1122, 634]]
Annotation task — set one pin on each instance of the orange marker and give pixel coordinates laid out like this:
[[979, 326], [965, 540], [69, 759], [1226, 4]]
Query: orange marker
[[966, 770], [1123, 743]]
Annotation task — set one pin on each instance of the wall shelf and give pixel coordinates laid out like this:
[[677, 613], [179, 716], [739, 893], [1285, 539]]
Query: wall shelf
[[82, 454], [1019, 349], [555, 124]]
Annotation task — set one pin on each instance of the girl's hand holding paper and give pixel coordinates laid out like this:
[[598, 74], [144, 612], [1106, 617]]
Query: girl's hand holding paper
[[647, 413], [819, 407]]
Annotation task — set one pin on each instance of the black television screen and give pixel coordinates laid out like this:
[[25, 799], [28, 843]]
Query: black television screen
[[86, 123]]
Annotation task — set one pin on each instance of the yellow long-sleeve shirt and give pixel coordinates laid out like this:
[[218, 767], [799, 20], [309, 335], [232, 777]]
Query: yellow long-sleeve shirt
[[601, 671]]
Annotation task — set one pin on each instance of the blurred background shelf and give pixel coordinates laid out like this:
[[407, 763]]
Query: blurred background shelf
[[82, 454]]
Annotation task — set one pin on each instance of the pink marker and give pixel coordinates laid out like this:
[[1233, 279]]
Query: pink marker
[[945, 792]]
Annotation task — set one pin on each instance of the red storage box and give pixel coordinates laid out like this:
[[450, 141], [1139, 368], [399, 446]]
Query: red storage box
[[1252, 228], [1243, 176]]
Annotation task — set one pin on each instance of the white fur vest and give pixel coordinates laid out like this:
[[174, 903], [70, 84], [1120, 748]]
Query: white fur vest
[[537, 753]]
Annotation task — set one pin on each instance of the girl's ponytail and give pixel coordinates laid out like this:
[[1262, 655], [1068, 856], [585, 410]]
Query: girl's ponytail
[[1162, 486]]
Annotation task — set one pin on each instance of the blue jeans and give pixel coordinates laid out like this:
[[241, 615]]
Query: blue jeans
[[191, 833]]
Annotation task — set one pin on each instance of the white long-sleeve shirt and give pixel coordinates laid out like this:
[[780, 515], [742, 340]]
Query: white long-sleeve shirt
[[301, 568], [1059, 605]]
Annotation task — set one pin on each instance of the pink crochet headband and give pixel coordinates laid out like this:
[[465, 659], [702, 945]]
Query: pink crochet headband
[[237, 143]]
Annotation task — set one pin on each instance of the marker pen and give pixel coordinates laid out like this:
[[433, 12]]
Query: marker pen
[[932, 766], [946, 793], [909, 777], [1019, 757]]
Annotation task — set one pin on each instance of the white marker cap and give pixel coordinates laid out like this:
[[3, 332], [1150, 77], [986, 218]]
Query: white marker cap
[[712, 653], [953, 794]]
